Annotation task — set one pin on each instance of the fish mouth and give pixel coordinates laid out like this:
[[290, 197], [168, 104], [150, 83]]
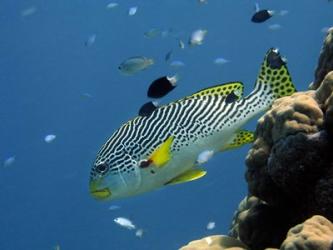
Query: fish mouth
[[99, 193]]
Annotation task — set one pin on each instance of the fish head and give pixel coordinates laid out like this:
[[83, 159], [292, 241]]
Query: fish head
[[114, 175]]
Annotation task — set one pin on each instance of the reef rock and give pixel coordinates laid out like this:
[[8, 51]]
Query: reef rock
[[215, 242], [258, 225], [315, 233], [325, 62]]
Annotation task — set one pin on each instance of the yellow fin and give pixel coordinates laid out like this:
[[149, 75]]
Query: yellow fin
[[162, 155], [190, 175], [221, 90], [241, 138]]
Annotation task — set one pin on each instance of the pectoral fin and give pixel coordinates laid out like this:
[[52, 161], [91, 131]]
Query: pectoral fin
[[190, 175], [241, 138], [162, 153]]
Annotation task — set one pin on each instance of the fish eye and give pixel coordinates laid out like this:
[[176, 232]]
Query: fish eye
[[102, 168]]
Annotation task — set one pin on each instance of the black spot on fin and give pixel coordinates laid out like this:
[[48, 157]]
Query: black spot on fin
[[147, 108], [161, 86], [232, 97], [274, 59]]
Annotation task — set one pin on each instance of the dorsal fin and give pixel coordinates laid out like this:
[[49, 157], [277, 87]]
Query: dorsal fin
[[221, 90], [274, 75]]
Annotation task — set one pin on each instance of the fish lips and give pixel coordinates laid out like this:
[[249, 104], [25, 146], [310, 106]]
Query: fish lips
[[99, 193]]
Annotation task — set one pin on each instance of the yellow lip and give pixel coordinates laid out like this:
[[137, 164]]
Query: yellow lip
[[100, 194]]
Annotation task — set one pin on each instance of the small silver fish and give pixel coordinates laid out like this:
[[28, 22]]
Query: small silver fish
[[220, 61], [49, 138], [211, 225], [135, 64], [181, 44], [124, 222], [112, 5], [197, 37], [132, 11], [154, 32], [205, 156], [114, 207], [139, 233]]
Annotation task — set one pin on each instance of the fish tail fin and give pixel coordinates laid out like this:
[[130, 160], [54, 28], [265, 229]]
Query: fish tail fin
[[274, 80]]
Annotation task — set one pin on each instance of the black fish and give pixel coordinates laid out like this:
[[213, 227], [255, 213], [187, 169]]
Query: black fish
[[162, 86], [147, 108], [261, 16]]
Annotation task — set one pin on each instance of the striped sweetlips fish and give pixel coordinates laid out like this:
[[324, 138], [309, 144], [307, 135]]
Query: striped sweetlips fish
[[162, 147]]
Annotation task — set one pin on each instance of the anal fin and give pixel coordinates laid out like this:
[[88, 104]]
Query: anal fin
[[190, 175], [241, 138]]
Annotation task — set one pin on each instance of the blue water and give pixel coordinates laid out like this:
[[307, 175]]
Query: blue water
[[45, 71]]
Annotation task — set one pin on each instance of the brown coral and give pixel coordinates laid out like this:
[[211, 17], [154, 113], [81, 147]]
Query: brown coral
[[315, 233], [278, 171], [258, 225], [325, 63], [324, 95], [215, 242]]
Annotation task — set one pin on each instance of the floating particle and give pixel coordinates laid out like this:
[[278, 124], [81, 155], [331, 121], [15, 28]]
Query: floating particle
[[177, 64], [197, 37], [86, 95], [9, 161], [205, 156], [135, 64], [283, 12], [112, 5], [132, 11], [56, 247], [210, 225], [220, 61], [203, 1], [114, 207], [29, 11], [139, 233], [275, 26], [124, 222], [49, 138], [91, 40]]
